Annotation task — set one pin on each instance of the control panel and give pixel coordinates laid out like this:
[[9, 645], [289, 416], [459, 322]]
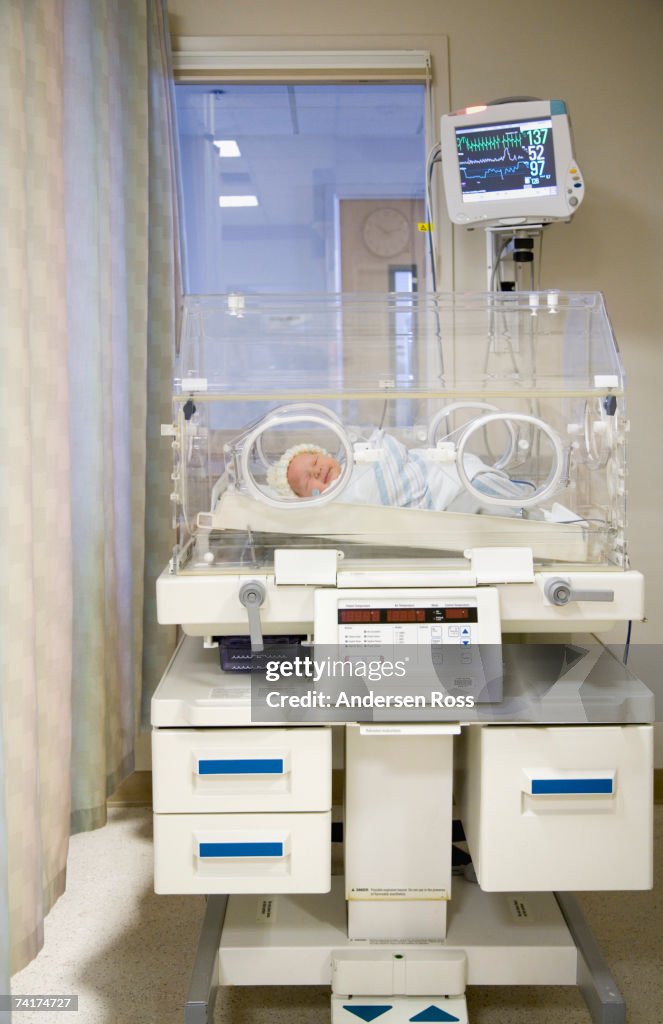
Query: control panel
[[463, 616]]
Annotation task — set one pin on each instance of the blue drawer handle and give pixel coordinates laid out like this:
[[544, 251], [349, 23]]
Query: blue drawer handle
[[242, 766], [241, 849], [561, 787]]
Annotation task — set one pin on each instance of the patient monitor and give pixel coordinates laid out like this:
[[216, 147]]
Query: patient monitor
[[510, 164]]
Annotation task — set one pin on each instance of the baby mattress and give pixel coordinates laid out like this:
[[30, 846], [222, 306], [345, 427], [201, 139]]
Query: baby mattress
[[382, 526]]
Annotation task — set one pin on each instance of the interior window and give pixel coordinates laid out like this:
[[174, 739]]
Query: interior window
[[284, 184]]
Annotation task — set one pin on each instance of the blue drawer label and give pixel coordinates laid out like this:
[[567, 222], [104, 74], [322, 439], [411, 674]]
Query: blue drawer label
[[241, 849], [562, 786], [242, 766]]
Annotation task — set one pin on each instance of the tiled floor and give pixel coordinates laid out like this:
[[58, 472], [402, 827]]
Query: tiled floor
[[127, 953]]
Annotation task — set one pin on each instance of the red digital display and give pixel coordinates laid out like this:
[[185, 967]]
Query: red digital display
[[359, 615], [406, 615], [394, 616]]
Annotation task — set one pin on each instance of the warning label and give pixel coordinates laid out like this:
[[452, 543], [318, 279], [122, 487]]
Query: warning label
[[371, 892]]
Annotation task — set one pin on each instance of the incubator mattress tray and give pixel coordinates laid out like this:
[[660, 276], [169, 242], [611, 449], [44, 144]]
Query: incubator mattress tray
[[402, 527]]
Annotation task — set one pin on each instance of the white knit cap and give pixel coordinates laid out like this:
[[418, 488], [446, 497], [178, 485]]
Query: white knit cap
[[277, 475]]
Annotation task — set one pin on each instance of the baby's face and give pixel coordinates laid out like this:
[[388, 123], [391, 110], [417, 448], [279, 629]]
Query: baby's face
[[312, 471]]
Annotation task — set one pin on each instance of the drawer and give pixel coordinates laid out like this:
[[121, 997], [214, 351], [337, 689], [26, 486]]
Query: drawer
[[242, 853], [558, 808], [244, 770]]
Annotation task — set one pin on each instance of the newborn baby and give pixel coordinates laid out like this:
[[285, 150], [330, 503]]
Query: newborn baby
[[309, 471], [400, 477]]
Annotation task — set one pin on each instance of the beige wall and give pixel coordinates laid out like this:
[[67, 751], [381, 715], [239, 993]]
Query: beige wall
[[604, 57]]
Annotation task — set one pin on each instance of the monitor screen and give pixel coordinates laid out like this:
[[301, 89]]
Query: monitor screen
[[511, 160]]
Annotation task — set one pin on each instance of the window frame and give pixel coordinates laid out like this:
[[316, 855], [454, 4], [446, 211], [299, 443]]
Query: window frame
[[211, 59]]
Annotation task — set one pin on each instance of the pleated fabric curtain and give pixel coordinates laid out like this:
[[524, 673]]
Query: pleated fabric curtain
[[89, 279]]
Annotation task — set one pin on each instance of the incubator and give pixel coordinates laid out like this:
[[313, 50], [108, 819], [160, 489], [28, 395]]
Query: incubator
[[463, 426], [477, 503]]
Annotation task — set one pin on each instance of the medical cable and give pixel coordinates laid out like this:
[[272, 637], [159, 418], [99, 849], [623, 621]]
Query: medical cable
[[523, 483], [627, 645], [435, 156]]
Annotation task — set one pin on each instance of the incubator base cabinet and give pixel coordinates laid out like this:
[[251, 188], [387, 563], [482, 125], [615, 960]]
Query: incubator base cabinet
[[246, 811], [414, 600]]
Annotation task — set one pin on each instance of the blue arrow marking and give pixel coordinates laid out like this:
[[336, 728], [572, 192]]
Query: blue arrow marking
[[433, 1013], [370, 1012]]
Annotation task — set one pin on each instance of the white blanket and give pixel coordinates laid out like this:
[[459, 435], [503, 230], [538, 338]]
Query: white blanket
[[408, 478]]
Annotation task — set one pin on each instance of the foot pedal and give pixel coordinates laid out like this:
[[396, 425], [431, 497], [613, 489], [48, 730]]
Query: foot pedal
[[399, 1009]]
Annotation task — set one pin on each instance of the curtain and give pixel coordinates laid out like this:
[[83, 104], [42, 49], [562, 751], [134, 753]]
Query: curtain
[[90, 284], [5, 957]]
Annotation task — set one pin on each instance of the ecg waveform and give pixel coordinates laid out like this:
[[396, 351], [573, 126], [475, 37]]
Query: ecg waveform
[[482, 142], [520, 167]]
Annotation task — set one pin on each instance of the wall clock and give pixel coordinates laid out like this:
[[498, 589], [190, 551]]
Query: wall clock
[[386, 231]]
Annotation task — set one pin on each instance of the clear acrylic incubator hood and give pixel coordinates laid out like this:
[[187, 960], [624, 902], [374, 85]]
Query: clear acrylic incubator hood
[[456, 421]]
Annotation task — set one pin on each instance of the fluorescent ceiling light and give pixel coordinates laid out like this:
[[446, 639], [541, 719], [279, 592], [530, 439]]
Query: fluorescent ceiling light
[[227, 147], [238, 200]]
